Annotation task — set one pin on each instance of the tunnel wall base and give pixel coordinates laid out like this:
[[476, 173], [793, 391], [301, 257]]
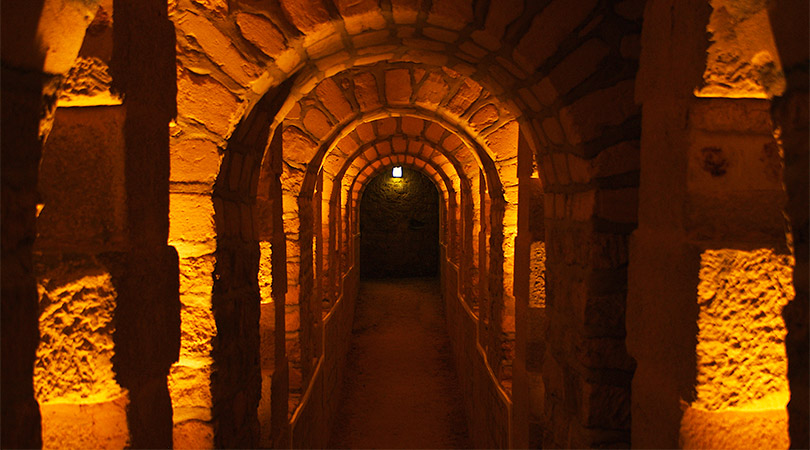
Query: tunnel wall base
[[488, 407]]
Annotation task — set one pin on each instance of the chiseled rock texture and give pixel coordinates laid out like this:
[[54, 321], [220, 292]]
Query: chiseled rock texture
[[399, 227]]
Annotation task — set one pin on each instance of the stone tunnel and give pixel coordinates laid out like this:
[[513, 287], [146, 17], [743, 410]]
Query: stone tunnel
[[618, 225]]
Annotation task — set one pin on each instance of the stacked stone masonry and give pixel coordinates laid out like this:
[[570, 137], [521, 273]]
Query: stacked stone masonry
[[182, 223]]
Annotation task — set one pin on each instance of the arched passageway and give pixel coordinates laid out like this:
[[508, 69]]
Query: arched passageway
[[613, 179], [399, 226], [401, 389]]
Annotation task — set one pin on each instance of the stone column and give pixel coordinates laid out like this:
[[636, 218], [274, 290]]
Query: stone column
[[789, 21], [147, 337]]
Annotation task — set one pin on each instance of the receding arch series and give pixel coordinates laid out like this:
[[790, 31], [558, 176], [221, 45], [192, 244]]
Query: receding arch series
[[250, 130]]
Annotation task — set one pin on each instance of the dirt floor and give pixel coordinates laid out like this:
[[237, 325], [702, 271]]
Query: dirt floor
[[400, 389]]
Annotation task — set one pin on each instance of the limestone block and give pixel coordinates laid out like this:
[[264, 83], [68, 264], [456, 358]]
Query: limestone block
[[531, 101], [468, 92], [316, 122], [360, 15], [440, 34], [549, 28], [371, 38], [190, 388], [60, 32], [742, 60], [412, 126], [503, 142], [740, 349], [753, 217], [553, 130], [452, 14], [262, 33], [579, 169], [77, 300], [384, 148], [206, 101], [620, 158], [560, 164], [191, 224], [265, 272], [484, 117], [405, 11], [333, 99], [306, 15], [218, 47], [747, 116], [398, 86], [399, 144], [197, 326], [193, 434], [298, 147], [386, 127], [82, 181], [194, 160], [330, 44], [584, 119], [87, 84], [498, 18], [578, 65], [365, 90], [365, 132], [196, 282], [618, 205], [101, 425], [432, 91], [580, 206], [734, 429], [545, 91]]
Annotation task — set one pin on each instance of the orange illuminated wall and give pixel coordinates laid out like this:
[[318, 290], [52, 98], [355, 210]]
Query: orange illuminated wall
[[742, 388]]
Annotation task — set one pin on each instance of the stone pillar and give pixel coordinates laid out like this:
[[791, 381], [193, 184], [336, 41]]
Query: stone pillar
[[520, 386], [789, 21], [24, 95], [147, 337], [30, 82], [709, 268]]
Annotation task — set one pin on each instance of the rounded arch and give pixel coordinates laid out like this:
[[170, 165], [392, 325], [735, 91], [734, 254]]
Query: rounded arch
[[447, 132], [400, 220], [541, 76]]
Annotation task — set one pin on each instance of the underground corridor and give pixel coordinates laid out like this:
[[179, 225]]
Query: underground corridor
[[404, 224], [400, 390]]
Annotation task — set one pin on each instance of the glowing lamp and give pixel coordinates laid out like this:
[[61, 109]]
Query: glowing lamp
[[397, 172]]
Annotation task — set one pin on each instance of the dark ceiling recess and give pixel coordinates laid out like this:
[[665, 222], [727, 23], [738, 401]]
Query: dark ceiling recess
[[399, 226]]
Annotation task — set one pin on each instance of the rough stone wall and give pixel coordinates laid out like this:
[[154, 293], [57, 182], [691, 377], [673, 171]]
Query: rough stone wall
[[137, 238], [21, 149], [30, 86], [73, 376], [727, 210], [487, 405], [236, 380], [741, 363], [399, 227], [357, 94], [83, 231], [241, 221], [311, 424], [789, 22], [589, 156]]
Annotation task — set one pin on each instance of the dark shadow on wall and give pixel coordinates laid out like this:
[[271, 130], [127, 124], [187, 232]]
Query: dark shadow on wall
[[399, 226]]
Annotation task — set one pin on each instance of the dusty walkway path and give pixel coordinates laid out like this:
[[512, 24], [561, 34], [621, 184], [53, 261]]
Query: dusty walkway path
[[400, 389]]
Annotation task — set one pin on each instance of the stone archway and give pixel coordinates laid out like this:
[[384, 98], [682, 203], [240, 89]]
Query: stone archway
[[399, 226]]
